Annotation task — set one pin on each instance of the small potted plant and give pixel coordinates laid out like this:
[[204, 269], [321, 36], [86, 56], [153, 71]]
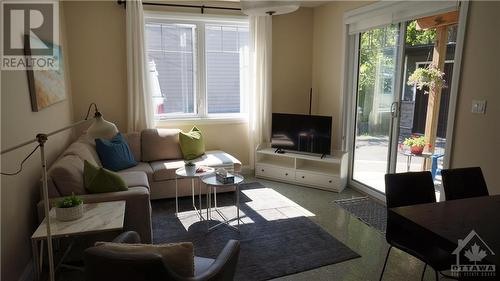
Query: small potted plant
[[69, 208], [416, 144], [430, 77], [190, 168]]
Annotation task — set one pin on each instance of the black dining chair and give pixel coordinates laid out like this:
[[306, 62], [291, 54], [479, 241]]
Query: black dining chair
[[405, 189], [464, 183]]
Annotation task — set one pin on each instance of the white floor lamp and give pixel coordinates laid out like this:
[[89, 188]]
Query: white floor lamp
[[100, 128]]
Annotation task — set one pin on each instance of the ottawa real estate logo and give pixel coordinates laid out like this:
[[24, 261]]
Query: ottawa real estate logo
[[472, 256]]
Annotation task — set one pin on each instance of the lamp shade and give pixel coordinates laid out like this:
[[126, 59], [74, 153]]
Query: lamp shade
[[101, 128], [263, 8]]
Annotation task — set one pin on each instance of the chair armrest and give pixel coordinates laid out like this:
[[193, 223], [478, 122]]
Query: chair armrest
[[128, 237], [224, 266]]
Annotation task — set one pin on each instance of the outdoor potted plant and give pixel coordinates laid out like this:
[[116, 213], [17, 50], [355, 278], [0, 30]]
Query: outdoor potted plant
[[190, 168], [69, 208], [416, 144], [430, 77]]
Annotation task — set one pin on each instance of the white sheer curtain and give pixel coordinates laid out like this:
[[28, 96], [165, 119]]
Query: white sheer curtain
[[260, 86], [140, 109]]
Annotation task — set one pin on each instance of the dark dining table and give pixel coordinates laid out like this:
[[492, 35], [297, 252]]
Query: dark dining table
[[444, 223]]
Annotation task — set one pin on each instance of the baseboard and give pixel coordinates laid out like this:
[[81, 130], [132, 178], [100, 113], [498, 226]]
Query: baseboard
[[246, 170], [28, 272]]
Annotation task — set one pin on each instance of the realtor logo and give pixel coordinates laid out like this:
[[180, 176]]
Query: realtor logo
[[471, 255], [30, 30]]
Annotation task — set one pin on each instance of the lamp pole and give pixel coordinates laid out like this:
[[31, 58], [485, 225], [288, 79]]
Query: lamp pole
[[41, 139]]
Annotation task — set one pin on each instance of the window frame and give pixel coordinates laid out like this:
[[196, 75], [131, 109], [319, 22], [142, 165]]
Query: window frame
[[200, 66]]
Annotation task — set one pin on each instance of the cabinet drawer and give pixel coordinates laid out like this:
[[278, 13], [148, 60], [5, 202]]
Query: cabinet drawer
[[274, 172], [316, 179]]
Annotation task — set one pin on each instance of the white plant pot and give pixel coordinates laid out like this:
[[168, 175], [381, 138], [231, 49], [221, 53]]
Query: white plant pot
[[69, 214], [190, 170]]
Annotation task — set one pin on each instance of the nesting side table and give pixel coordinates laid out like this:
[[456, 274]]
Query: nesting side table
[[181, 173], [212, 184]]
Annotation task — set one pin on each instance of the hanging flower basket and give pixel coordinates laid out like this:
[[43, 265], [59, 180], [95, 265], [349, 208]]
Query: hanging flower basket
[[430, 77]]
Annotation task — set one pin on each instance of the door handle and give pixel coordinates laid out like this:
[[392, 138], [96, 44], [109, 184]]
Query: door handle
[[395, 109]]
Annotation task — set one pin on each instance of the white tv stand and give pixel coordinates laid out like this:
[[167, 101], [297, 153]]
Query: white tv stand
[[328, 173]]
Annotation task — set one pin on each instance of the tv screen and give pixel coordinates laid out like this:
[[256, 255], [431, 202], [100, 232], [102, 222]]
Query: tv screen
[[307, 133]]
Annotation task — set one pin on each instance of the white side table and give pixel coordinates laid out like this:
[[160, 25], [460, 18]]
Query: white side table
[[212, 185], [181, 173], [97, 218]]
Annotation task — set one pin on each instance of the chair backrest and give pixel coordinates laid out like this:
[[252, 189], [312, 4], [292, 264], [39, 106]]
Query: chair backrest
[[104, 264], [404, 189], [464, 183]]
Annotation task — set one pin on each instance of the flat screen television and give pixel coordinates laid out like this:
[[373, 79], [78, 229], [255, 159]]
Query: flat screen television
[[306, 133]]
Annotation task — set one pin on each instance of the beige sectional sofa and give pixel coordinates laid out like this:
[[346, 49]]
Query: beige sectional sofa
[[159, 155]]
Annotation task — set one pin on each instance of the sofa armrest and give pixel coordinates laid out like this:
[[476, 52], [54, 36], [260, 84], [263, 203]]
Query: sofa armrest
[[137, 208]]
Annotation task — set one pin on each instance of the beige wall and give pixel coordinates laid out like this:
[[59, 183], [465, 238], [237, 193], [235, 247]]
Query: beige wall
[[19, 194], [327, 68], [292, 61], [477, 136], [96, 43]]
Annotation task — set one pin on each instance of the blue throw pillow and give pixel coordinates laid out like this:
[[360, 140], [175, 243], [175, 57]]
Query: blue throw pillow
[[115, 154]]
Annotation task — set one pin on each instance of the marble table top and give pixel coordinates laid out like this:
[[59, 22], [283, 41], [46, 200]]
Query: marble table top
[[97, 217]]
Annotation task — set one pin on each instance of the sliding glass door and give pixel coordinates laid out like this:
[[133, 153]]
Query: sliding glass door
[[388, 112], [375, 104]]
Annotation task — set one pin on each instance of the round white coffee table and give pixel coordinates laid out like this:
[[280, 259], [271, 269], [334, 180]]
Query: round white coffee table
[[181, 173], [212, 184]]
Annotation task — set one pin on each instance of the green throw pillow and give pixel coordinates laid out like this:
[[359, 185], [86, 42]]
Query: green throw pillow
[[100, 180], [192, 145]]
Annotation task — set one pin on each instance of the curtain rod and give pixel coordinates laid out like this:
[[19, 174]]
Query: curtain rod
[[201, 7]]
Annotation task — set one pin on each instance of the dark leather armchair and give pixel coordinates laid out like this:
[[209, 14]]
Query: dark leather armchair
[[104, 265]]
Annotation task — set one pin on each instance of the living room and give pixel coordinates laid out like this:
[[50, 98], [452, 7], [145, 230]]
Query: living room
[[303, 212]]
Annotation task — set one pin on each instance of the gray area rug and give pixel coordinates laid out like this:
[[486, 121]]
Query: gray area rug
[[367, 210], [277, 238]]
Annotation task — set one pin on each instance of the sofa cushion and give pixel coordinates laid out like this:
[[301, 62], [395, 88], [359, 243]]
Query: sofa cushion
[[133, 179], [217, 158], [134, 142], [165, 170], [85, 151], [67, 175], [160, 144], [115, 154], [192, 145], [141, 167]]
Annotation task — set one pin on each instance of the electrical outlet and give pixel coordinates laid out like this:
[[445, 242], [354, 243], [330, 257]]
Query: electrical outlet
[[478, 107]]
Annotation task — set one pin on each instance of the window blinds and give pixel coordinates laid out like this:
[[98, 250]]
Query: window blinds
[[388, 12]]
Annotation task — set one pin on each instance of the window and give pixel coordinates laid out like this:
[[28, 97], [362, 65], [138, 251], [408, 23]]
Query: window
[[198, 68]]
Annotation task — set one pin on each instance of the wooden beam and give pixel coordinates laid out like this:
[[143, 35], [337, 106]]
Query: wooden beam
[[436, 21], [438, 59]]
